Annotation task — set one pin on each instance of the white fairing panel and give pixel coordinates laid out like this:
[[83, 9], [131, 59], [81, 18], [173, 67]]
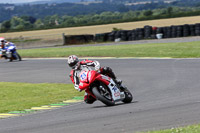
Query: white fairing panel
[[115, 91]]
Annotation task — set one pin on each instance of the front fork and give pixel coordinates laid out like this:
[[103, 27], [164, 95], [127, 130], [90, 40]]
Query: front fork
[[9, 54]]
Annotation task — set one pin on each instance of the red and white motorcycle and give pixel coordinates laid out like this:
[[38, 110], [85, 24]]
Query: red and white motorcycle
[[103, 88]]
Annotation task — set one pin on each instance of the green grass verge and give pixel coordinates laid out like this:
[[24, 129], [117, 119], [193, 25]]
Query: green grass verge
[[24, 40], [174, 50], [20, 96], [187, 129]]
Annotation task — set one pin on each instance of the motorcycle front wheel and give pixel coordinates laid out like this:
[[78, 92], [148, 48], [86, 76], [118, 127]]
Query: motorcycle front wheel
[[18, 57], [10, 59], [103, 95]]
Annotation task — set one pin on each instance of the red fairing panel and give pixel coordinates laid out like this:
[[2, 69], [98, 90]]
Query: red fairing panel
[[89, 77], [92, 76], [85, 80], [104, 79], [82, 85]]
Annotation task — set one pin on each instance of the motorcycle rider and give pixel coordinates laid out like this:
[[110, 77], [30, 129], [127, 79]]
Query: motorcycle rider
[[8, 46], [77, 66]]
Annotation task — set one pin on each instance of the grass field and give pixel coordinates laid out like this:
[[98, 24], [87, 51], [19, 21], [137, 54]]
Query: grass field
[[20, 96], [187, 129], [56, 33], [174, 50]]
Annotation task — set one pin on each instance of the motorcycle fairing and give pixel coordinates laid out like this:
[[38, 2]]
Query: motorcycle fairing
[[9, 54], [11, 48], [116, 94], [88, 77]]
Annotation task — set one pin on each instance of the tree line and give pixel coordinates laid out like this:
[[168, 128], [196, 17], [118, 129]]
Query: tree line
[[26, 22], [72, 9]]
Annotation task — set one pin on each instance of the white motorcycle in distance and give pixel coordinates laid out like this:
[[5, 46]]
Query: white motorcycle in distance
[[10, 54]]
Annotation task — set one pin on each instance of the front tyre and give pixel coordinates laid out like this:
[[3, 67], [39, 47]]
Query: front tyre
[[128, 96], [18, 57], [10, 59], [104, 96]]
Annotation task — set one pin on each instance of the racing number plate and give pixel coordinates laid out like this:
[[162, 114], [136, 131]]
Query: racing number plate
[[116, 93], [83, 76]]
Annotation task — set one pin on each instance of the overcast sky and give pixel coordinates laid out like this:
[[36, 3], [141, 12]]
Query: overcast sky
[[18, 1]]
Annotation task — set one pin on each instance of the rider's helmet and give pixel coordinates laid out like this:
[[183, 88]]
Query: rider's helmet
[[73, 61], [2, 41]]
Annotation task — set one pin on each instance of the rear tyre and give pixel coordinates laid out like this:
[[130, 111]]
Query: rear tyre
[[104, 96]]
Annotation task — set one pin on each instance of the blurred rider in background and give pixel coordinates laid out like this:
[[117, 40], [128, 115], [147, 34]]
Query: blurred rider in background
[[77, 66], [7, 46]]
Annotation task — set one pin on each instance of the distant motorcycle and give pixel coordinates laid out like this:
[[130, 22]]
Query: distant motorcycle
[[103, 88], [11, 54]]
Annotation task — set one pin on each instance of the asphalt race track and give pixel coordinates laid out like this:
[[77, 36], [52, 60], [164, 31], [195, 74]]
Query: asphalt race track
[[166, 94]]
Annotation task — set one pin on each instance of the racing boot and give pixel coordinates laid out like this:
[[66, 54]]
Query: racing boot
[[89, 99], [108, 71], [118, 81]]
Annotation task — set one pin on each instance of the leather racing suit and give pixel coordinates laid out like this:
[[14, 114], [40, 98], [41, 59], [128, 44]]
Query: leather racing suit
[[86, 65]]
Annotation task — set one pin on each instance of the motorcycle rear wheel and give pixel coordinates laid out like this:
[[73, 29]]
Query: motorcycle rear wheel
[[99, 95]]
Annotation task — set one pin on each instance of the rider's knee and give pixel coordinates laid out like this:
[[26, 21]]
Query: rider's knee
[[107, 69], [89, 99]]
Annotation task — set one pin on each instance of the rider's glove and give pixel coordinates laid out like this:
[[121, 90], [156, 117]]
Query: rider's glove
[[97, 66], [77, 88]]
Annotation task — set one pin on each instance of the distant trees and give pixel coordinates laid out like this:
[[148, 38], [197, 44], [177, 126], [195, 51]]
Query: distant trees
[[5, 26], [148, 13], [169, 10], [18, 23], [40, 11]]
